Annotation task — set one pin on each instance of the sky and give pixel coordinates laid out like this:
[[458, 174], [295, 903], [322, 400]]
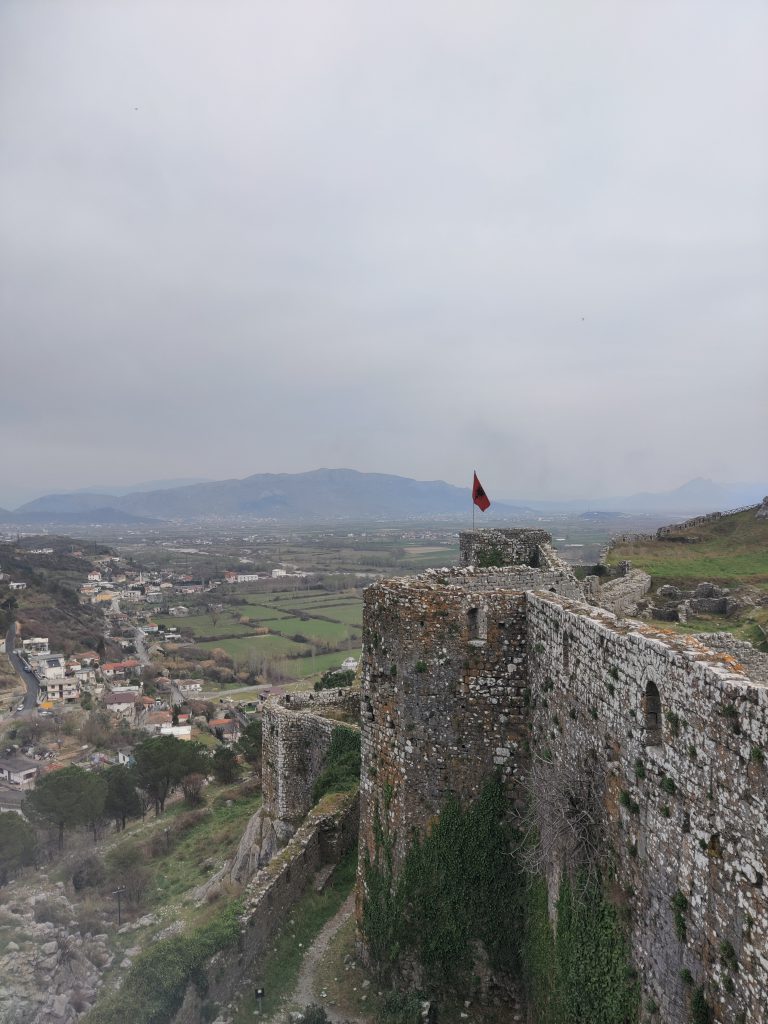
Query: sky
[[414, 237]]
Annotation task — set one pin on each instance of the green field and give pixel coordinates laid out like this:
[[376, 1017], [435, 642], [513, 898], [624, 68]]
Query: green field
[[333, 631], [241, 648], [340, 624], [351, 614], [202, 625], [303, 667]]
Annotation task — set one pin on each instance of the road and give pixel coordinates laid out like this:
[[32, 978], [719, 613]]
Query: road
[[29, 678]]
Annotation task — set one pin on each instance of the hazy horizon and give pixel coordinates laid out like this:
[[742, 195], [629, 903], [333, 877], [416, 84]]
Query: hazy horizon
[[414, 240]]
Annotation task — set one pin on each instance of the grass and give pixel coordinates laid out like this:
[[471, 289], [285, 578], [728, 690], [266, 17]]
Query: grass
[[730, 550], [281, 968], [334, 631], [202, 625], [199, 852], [304, 667], [350, 613], [241, 648]]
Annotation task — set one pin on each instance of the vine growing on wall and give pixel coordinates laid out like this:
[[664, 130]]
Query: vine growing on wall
[[463, 899]]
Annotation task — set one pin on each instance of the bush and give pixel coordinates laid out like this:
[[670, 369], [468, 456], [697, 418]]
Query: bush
[[314, 1014], [401, 1008], [52, 912], [335, 678], [89, 873], [341, 770]]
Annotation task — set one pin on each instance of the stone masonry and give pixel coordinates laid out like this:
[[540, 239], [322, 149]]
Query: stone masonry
[[468, 671]]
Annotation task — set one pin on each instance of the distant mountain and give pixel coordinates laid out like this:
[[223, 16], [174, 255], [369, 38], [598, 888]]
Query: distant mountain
[[691, 498], [321, 495], [6, 516], [147, 485]]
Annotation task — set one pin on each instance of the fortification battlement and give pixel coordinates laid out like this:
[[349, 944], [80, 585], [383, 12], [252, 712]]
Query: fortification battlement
[[496, 547], [474, 671]]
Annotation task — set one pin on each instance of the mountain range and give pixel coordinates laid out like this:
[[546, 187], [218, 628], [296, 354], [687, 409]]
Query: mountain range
[[325, 495]]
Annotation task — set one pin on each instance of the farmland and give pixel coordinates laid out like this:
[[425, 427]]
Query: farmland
[[300, 635]]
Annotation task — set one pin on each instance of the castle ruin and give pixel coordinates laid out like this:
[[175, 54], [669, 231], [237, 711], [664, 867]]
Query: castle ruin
[[499, 664]]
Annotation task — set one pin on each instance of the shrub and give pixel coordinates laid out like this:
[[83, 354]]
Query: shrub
[[89, 873], [668, 785], [341, 769], [52, 912], [314, 1014], [421, 666], [673, 721], [335, 678], [700, 1011]]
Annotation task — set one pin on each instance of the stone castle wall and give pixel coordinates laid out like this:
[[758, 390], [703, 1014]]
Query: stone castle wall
[[502, 547], [294, 745], [464, 672], [443, 694], [703, 834]]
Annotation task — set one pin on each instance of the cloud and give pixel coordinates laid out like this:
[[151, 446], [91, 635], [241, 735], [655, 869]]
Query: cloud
[[263, 237]]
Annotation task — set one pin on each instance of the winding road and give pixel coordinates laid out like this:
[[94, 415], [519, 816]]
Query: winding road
[[26, 675]]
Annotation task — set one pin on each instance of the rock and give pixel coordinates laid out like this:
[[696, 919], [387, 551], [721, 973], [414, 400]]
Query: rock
[[49, 947], [59, 1008], [12, 947]]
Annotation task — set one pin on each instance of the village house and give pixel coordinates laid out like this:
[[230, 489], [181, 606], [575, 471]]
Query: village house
[[18, 770], [227, 729], [65, 690], [120, 703], [120, 669], [36, 645]]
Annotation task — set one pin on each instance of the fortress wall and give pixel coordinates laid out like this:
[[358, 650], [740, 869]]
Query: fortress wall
[[344, 699], [294, 745], [622, 594], [511, 577], [443, 699], [501, 547], [708, 840]]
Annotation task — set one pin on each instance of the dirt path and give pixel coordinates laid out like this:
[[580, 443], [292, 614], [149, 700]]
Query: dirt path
[[305, 993]]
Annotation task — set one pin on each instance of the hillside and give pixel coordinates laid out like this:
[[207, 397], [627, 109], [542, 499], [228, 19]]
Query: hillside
[[323, 494], [731, 551]]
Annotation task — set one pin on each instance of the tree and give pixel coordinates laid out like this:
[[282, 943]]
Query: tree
[[224, 764], [122, 801], [192, 787], [161, 764], [127, 867], [66, 799], [18, 845], [249, 743]]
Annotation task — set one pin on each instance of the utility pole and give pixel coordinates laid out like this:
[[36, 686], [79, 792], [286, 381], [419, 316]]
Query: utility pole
[[119, 893]]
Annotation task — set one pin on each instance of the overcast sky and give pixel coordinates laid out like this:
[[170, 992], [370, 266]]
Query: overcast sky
[[408, 237]]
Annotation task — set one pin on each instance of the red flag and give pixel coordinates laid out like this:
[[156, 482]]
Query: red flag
[[479, 497]]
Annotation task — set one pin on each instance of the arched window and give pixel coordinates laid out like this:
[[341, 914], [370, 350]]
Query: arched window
[[652, 711]]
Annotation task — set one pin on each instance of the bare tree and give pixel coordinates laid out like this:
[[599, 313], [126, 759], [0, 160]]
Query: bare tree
[[564, 826]]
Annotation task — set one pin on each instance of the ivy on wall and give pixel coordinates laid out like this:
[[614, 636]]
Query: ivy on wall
[[341, 767], [461, 897]]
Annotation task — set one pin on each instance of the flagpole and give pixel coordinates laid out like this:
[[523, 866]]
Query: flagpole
[[472, 496]]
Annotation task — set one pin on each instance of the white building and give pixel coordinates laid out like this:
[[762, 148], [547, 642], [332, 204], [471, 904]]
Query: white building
[[247, 577], [36, 645], [277, 573]]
